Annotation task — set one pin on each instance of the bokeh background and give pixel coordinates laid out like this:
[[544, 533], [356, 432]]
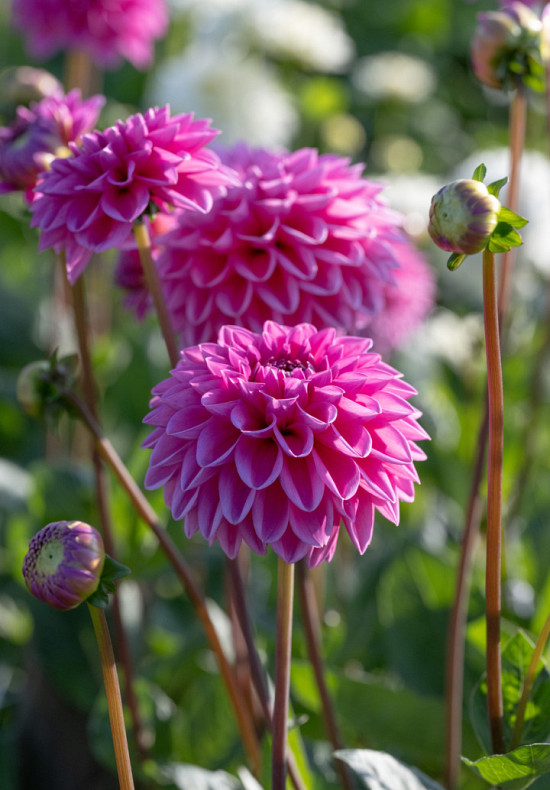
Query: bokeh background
[[388, 84]]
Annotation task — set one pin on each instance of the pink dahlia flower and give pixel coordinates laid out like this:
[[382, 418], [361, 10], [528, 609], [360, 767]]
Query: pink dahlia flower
[[64, 562], [39, 133], [89, 202], [302, 238], [275, 438], [108, 30], [407, 301]]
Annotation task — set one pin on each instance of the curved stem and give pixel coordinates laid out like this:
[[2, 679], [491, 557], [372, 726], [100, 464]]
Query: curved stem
[[285, 597], [528, 683], [312, 631], [183, 572], [154, 285], [114, 702], [494, 501]]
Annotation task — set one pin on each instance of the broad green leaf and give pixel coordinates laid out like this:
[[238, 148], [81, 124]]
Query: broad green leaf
[[381, 771], [503, 238], [510, 217], [479, 173], [495, 187], [515, 770]]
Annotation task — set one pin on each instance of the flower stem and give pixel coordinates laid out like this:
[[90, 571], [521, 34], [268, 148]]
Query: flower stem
[[528, 683], [285, 597], [182, 570], [114, 702], [154, 285], [494, 501], [312, 630]]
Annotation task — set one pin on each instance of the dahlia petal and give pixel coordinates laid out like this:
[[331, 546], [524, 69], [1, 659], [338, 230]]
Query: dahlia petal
[[360, 528], [324, 554], [216, 442], [188, 422], [209, 510], [295, 440], [235, 496], [315, 527], [230, 539], [389, 444], [290, 548], [125, 205], [258, 462], [270, 513], [301, 482], [338, 472]]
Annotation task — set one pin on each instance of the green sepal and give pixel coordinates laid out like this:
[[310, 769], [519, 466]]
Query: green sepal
[[112, 570], [479, 173], [511, 218], [503, 238], [455, 260], [495, 187]]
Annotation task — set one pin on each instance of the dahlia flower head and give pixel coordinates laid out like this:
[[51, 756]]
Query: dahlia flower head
[[302, 238], [64, 563], [41, 132], [275, 438], [89, 202], [108, 30]]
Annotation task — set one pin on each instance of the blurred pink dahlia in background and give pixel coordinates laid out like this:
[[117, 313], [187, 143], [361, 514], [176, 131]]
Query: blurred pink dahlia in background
[[89, 202], [275, 438], [303, 238], [108, 30], [41, 132]]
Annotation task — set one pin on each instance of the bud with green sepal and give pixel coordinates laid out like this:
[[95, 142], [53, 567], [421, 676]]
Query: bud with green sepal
[[41, 385], [467, 217]]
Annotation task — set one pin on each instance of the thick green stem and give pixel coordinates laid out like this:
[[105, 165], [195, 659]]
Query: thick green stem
[[114, 702], [494, 501], [154, 285], [528, 683], [283, 650]]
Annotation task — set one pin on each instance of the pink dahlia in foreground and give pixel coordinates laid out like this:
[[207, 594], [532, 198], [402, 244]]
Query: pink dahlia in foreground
[[407, 301], [89, 202], [64, 562], [40, 133], [108, 30], [276, 438], [302, 238]]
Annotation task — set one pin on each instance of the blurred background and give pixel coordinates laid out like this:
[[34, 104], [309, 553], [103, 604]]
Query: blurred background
[[384, 83]]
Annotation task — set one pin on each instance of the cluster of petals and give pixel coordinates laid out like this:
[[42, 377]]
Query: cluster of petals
[[302, 238], [39, 133], [89, 202], [64, 562], [108, 30], [275, 438]]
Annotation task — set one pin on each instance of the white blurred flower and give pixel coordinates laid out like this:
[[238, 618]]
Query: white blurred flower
[[454, 339], [302, 30], [412, 195], [394, 75], [241, 94]]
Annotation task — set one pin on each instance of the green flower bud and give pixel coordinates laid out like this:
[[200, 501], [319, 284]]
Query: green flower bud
[[463, 215]]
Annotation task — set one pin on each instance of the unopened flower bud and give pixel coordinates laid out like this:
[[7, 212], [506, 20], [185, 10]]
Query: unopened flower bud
[[509, 45], [463, 216], [31, 386], [25, 84], [64, 563]]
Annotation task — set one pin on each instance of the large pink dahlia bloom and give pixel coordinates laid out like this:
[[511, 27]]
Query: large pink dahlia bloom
[[302, 238], [108, 30], [89, 202], [275, 438]]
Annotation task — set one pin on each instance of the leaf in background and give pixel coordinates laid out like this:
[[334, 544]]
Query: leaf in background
[[515, 770], [381, 771]]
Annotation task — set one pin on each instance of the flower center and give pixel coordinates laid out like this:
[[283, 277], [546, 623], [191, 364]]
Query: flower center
[[50, 557], [289, 365]]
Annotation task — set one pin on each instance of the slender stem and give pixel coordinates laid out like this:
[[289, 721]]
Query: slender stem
[[518, 112], [183, 571], [80, 72], [154, 285], [114, 702], [459, 610], [312, 630], [528, 683], [285, 597], [494, 501]]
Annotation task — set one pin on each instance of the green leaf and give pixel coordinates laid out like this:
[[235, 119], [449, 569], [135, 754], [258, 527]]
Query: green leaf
[[513, 219], [503, 238], [479, 173], [454, 261], [515, 770], [515, 661], [495, 187], [381, 771], [112, 570]]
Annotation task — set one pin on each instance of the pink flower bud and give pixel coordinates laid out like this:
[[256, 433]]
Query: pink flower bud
[[64, 563], [463, 216]]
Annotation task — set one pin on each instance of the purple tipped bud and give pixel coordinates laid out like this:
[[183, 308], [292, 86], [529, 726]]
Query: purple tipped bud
[[507, 45], [64, 562], [462, 216]]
